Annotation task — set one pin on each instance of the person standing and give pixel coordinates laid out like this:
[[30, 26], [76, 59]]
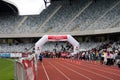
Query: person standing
[[103, 57], [111, 58], [108, 56], [40, 57], [118, 59]]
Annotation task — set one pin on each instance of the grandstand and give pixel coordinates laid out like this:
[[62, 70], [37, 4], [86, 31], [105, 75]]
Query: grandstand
[[82, 17], [61, 17]]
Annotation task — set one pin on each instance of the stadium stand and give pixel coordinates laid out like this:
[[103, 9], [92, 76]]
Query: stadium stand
[[60, 16], [107, 19], [64, 15], [5, 48], [91, 15], [32, 23], [8, 22]]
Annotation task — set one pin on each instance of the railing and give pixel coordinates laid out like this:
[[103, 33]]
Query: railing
[[26, 68]]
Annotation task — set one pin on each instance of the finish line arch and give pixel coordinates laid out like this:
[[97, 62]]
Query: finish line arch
[[46, 38]]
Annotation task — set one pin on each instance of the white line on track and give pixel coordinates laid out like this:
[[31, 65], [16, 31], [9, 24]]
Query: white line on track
[[98, 65], [75, 71], [60, 71], [102, 70], [91, 72], [45, 72]]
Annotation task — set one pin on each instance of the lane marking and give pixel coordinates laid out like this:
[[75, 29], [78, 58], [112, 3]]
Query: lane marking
[[103, 70], [91, 72], [98, 65], [75, 71], [99, 69], [60, 71], [45, 72]]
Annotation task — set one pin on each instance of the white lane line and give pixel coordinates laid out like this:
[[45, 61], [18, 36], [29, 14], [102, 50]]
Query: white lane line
[[75, 71], [91, 71], [60, 72], [45, 72], [103, 71], [98, 65]]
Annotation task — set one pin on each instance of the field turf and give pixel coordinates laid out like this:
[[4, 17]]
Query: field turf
[[6, 69]]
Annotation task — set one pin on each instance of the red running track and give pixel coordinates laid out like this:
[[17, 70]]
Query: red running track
[[60, 69]]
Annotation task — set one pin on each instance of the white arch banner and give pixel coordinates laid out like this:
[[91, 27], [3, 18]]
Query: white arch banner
[[45, 38]]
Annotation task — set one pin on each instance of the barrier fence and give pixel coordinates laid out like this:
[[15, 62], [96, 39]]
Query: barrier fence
[[19, 71], [26, 68], [13, 55]]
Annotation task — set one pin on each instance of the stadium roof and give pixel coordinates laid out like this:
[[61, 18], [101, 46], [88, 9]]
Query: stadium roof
[[24, 7]]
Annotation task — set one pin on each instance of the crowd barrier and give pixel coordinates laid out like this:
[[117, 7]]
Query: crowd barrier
[[13, 55], [26, 68], [19, 70], [5, 55]]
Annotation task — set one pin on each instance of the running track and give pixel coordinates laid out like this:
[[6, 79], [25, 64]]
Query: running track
[[60, 69]]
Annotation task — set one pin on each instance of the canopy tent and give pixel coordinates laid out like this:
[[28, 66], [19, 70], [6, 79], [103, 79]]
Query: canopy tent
[[46, 38]]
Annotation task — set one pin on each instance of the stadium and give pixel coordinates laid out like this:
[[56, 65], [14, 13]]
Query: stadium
[[78, 39]]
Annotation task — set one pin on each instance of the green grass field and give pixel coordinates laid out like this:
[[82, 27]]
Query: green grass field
[[6, 69]]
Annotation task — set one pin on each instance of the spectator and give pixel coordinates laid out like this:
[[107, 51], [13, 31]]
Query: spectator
[[102, 57], [111, 58], [108, 56], [118, 59], [99, 55]]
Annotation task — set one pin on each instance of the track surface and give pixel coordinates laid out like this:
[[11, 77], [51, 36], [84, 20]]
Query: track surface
[[60, 69]]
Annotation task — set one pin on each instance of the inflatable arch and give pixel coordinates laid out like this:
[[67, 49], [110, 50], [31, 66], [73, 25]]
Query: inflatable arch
[[45, 38]]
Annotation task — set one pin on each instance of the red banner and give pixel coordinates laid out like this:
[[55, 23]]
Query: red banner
[[24, 55], [64, 54], [29, 67], [57, 37]]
